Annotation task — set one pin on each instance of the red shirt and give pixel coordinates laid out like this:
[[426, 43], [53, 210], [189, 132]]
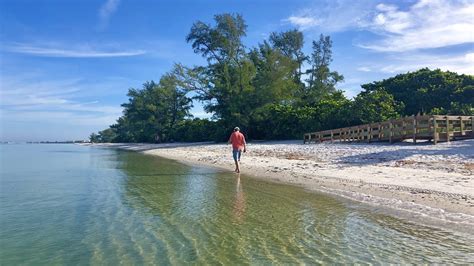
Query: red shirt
[[238, 140]]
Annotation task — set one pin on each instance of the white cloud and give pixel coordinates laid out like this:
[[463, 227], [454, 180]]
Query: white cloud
[[364, 69], [71, 53], [63, 118], [106, 11], [425, 25], [463, 63], [332, 15], [23, 100], [385, 7], [392, 20], [303, 22]]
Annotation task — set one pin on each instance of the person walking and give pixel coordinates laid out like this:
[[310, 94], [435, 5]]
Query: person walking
[[237, 140]]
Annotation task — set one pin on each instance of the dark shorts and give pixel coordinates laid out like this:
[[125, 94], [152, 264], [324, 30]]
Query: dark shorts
[[236, 154]]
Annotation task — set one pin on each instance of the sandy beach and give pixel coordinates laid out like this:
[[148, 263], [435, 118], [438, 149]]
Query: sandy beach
[[424, 179]]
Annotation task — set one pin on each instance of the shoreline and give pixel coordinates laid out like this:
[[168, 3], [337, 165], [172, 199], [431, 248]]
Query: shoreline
[[435, 181]]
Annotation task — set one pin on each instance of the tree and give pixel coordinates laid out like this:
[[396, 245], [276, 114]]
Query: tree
[[153, 112], [196, 129], [220, 43], [261, 90], [375, 106], [273, 80], [429, 91], [107, 135], [321, 80], [333, 111], [94, 138], [290, 43], [176, 104], [224, 84]]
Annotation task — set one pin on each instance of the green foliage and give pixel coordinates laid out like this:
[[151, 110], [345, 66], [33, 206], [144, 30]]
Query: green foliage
[[283, 121], [106, 135], [191, 130], [290, 44], [227, 79], [94, 138], [273, 81], [322, 81], [429, 91], [265, 93], [152, 113], [223, 41], [333, 111], [375, 106]]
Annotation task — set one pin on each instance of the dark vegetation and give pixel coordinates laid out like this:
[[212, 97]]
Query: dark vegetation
[[266, 91]]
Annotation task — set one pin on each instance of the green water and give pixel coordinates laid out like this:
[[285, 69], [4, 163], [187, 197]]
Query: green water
[[68, 204]]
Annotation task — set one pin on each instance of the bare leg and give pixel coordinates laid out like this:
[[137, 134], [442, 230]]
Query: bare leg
[[237, 166]]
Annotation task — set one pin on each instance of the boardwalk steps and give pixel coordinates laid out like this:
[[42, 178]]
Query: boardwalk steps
[[435, 128]]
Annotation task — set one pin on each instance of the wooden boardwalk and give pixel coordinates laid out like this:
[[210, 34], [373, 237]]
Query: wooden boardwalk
[[427, 127]]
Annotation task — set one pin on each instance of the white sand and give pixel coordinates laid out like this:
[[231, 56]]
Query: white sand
[[431, 179]]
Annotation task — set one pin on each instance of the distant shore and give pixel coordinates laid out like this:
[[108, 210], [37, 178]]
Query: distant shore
[[424, 179]]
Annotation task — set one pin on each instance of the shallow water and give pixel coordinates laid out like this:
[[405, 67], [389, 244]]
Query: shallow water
[[68, 204]]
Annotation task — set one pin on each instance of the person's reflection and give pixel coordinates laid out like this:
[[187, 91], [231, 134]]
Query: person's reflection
[[239, 203]]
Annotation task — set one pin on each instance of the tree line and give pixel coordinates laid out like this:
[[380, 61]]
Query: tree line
[[273, 91]]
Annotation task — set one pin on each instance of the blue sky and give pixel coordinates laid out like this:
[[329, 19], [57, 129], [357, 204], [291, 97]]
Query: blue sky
[[66, 65]]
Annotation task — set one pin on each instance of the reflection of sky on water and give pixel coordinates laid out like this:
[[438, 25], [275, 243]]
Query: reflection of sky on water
[[197, 198], [111, 207], [225, 217]]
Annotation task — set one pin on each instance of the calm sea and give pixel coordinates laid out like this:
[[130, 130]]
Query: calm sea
[[70, 204]]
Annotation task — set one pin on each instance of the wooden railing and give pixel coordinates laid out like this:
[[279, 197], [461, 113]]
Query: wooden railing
[[427, 127]]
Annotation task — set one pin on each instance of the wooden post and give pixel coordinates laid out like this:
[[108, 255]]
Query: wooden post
[[390, 134], [403, 132], [381, 131], [332, 137], [461, 126], [369, 132], [447, 128], [435, 133], [415, 128], [472, 126], [378, 131]]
